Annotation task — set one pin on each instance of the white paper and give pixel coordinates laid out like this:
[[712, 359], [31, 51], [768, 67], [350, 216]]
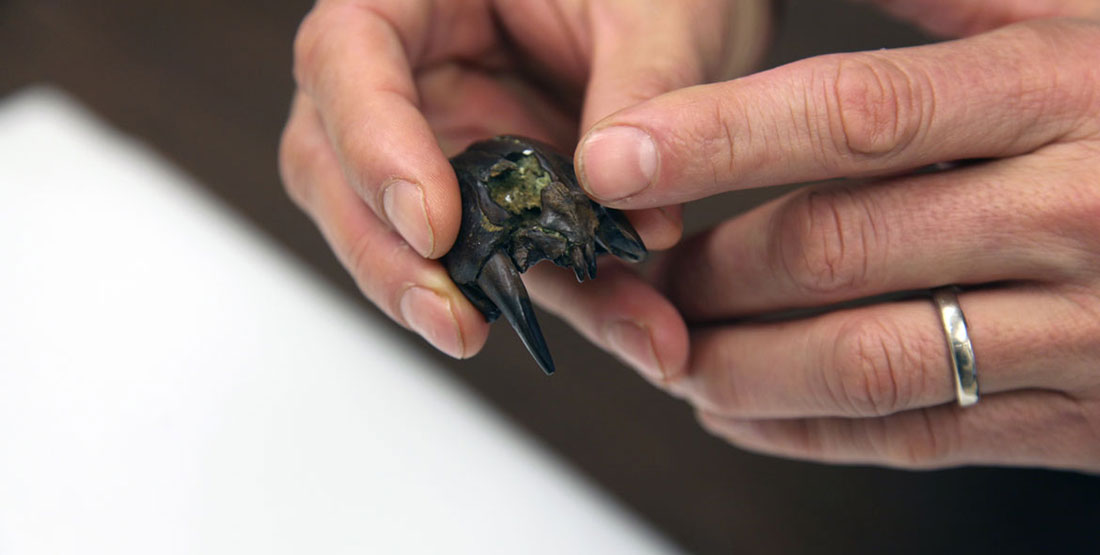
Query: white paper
[[172, 382]]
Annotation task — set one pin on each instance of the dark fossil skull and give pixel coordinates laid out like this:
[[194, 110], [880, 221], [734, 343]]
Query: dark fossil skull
[[521, 204]]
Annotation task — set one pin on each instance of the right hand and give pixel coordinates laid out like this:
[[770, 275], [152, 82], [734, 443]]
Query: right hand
[[387, 89], [961, 18]]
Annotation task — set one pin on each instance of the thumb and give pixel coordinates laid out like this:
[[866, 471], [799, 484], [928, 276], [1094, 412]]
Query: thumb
[[645, 49], [637, 56]]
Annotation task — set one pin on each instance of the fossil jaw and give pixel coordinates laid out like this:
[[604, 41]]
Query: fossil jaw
[[500, 281], [521, 204]]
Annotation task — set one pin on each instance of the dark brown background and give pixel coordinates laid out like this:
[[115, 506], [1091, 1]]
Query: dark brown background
[[207, 83]]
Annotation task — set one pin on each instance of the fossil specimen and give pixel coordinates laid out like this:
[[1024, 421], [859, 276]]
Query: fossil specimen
[[521, 204]]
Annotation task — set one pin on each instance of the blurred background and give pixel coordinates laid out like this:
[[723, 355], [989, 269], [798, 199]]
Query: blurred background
[[207, 85]]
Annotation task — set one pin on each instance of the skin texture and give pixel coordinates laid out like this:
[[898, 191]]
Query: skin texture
[[1021, 230], [865, 384], [388, 89]]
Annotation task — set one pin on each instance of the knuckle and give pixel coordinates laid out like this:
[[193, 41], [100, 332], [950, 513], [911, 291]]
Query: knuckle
[[312, 38], [708, 145], [710, 422], [876, 108], [663, 74], [827, 239], [1079, 418], [732, 131], [361, 261], [1081, 327], [1089, 414], [293, 159], [368, 260], [1059, 99], [718, 394], [307, 45], [715, 388], [1080, 218], [872, 370], [919, 439]]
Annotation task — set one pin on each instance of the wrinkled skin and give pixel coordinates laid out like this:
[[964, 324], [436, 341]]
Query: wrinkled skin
[[521, 204]]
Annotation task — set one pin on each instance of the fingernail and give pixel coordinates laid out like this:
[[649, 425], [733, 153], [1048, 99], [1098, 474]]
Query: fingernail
[[633, 343], [403, 203], [429, 314], [618, 162]]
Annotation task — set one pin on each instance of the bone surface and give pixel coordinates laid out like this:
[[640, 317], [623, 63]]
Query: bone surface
[[521, 204]]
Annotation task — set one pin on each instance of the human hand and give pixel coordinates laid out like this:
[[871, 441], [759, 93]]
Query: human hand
[[389, 88], [1021, 231], [956, 18]]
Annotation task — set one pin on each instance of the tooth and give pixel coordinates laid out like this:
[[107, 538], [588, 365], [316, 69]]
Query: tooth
[[500, 281], [590, 255], [578, 263], [617, 236]]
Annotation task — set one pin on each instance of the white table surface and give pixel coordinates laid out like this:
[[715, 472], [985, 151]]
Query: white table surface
[[172, 382]]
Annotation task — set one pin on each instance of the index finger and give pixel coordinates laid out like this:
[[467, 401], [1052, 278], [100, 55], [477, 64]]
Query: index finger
[[996, 95], [355, 59]]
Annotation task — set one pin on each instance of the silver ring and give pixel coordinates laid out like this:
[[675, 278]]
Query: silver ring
[[960, 349]]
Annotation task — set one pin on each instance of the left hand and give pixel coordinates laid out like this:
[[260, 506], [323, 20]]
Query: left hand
[[1021, 232], [389, 88]]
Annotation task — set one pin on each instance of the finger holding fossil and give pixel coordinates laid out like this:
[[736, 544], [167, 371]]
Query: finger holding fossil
[[521, 204]]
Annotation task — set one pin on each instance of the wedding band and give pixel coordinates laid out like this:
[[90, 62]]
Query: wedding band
[[960, 349]]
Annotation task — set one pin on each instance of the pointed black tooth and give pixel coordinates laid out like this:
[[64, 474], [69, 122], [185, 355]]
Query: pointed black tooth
[[617, 236], [590, 255], [579, 265], [500, 281]]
